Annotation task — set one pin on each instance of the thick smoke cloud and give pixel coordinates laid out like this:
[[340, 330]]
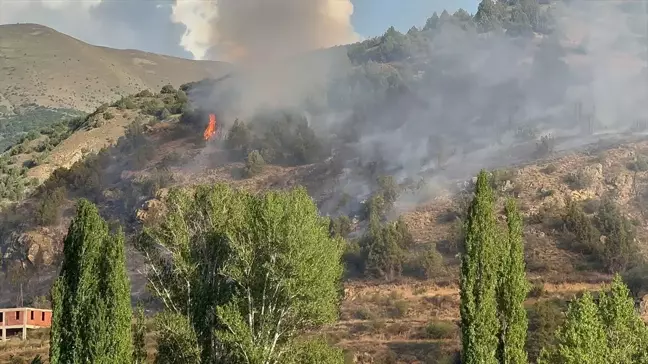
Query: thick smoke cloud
[[474, 100], [236, 30]]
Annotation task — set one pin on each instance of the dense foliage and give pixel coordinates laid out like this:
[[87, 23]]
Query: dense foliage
[[91, 298], [264, 266]]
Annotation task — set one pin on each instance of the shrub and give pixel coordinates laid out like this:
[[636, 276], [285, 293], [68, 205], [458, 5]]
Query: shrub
[[545, 146], [254, 164], [340, 226], [549, 169], [239, 139], [400, 309], [427, 264], [545, 317], [579, 180], [640, 164], [537, 290], [48, 212], [163, 114], [438, 330], [108, 115], [167, 89], [144, 93]]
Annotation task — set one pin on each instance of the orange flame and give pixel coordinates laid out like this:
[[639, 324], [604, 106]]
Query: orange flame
[[211, 128]]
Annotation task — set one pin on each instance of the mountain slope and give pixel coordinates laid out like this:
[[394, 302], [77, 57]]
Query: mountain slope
[[48, 68]]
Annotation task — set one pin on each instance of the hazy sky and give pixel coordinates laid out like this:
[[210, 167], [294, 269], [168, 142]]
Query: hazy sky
[[148, 25]]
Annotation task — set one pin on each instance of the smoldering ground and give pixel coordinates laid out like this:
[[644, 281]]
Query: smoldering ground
[[457, 101]]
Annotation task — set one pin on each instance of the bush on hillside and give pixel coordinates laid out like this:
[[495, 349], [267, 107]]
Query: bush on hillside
[[167, 89], [49, 209], [254, 164], [608, 236], [144, 93]]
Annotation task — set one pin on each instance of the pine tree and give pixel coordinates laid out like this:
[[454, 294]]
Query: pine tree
[[512, 291], [626, 332], [479, 265], [91, 296], [582, 339]]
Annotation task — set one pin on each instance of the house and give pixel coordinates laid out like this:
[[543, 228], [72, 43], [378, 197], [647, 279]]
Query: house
[[14, 320]]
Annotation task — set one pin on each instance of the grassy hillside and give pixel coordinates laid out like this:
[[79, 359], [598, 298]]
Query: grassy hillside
[[404, 146]]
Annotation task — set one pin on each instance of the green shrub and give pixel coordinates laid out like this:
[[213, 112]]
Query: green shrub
[[438, 330], [400, 309], [254, 164], [144, 93], [49, 209], [108, 115], [340, 226], [168, 89], [545, 317]]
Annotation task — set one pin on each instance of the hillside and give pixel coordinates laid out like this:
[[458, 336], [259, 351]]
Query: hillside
[[44, 67], [399, 130]]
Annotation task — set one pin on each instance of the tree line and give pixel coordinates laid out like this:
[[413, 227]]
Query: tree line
[[251, 278]]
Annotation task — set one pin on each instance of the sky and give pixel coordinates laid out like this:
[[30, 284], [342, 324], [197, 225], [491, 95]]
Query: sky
[[149, 25]]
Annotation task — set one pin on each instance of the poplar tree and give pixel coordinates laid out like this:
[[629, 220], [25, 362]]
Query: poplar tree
[[479, 266], [582, 338], [512, 291], [626, 332], [91, 296]]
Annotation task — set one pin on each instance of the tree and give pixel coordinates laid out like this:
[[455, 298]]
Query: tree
[[512, 292], [248, 273], [489, 16], [479, 267], [177, 341], [627, 334], [115, 300], [239, 139], [582, 338], [139, 333], [432, 22], [90, 322], [254, 164]]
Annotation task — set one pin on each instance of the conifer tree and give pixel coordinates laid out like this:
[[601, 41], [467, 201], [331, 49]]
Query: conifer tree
[[76, 325], [91, 297], [512, 291], [479, 266], [116, 304], [582, 339]]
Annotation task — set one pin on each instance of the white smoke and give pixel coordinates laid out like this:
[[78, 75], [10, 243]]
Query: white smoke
[[253, 29]]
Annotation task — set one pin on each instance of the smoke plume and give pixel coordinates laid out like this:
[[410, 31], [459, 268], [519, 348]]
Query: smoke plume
[[237, 30]]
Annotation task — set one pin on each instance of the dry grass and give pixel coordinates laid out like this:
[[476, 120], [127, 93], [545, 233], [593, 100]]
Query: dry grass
[[42, 66]]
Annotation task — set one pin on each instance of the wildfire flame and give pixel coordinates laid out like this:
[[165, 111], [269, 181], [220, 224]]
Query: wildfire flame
[[211, 128]]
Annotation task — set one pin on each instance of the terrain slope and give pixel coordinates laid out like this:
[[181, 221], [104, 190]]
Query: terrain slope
[[39, 65]]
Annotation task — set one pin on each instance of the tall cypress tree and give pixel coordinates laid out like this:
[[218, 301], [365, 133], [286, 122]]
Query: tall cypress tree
[[88, 295], [512, 291], [75, 325], [115, 294], [479, 266]]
